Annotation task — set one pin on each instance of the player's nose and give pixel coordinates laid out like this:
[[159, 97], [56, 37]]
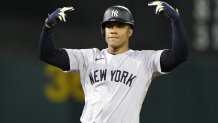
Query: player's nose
[[113, 29]]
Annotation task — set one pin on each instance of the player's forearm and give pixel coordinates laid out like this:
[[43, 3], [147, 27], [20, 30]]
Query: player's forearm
[[179, 41], [49, 54], [46, 44], [179, 52]]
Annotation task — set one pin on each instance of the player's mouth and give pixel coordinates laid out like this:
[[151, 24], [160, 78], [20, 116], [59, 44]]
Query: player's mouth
[[114, 37]]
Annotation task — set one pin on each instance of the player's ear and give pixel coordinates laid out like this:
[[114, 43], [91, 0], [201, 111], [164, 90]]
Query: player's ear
[[130, 32]]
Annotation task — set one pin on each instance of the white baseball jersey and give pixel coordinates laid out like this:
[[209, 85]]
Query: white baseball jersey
[[114, 85]]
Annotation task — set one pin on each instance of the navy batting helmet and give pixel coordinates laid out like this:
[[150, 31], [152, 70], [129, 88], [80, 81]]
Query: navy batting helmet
[[119, 14]]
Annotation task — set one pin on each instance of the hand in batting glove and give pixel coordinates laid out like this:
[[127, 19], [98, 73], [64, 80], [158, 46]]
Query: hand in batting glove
[[57, 16], [165, 8]]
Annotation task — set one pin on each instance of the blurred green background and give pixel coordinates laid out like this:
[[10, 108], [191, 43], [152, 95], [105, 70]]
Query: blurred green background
[[34, 92]]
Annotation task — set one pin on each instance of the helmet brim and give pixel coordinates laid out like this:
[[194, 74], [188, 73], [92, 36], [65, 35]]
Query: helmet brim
[[120, 20]]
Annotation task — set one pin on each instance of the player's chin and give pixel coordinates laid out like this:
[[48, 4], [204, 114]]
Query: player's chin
[[113, 44], [113, 41]]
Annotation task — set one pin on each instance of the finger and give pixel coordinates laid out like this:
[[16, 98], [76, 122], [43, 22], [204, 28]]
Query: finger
[[177, 10], [67, 9], [154, 3], [159, 8], [62, 16], [62, 13]]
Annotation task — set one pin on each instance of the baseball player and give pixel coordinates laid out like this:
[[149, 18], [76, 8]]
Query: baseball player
[[115, 80]]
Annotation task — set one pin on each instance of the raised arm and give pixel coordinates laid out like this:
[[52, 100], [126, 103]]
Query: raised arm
[[47, 50], [178, 53]]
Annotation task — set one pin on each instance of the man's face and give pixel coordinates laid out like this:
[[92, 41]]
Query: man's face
[[117, 34]]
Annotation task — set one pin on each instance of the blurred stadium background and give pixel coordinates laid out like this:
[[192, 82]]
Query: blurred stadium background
[[34, 92]]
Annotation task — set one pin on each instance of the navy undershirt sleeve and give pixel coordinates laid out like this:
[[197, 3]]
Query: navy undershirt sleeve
[[178, 53], [48, 53]]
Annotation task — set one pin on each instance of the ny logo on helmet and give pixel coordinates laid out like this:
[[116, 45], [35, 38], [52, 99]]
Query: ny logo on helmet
[[114, 13]]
